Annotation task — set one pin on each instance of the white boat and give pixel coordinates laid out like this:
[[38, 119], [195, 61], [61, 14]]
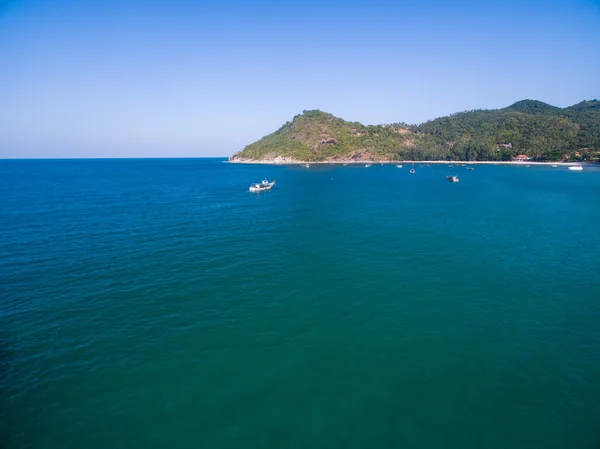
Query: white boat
[[260, 186], [470, 168], [399, 165], [452, 178], [367, 165], [576, 167], [554, 165], [412, 170], [307, 165]]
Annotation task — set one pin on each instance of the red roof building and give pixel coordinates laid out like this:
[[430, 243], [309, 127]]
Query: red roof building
[[521, 158]]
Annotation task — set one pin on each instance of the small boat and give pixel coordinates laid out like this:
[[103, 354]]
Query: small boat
[[260, 186], [367, 165], [399, 165], [452, 178], [307, 165], [576, 167], [470, 168], [412, 170], [554, 165], [528, 166], [451, 166]]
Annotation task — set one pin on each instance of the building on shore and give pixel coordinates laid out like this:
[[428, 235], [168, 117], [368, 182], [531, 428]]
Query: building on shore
[[521, 158]]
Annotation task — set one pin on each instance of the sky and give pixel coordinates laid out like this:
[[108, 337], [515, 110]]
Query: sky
[[183, 78]]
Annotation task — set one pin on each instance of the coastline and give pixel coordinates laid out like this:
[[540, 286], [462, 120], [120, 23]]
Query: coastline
[[290, 161]]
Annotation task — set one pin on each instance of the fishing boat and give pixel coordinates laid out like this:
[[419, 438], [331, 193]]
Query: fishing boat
[[452, 178], [260, 186], [576, 167], [412, 170]]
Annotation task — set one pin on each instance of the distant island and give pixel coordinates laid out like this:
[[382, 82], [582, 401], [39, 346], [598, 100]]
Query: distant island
[[528, 130]]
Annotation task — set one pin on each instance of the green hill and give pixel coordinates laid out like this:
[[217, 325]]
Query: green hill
[[529, 127]]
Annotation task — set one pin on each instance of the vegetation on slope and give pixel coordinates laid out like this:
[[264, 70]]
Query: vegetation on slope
[[529, 127]]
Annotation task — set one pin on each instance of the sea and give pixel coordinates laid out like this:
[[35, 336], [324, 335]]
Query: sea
[[157, 303]]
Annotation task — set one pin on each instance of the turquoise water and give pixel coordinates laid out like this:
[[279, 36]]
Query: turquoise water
[[159, 304]]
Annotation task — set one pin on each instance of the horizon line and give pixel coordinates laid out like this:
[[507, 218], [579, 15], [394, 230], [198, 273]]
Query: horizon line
[[108, 158]]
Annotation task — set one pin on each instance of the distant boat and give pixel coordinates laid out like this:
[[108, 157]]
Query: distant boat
[[470, 168], [528, 166], [399, 165], [260, 186], [412, 170], [554, 165], [451, 166], [576, 168], [307, 165], [367, 165], [452, 178]]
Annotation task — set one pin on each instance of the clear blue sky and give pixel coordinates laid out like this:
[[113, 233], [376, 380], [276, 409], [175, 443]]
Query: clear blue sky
[[104, 78]]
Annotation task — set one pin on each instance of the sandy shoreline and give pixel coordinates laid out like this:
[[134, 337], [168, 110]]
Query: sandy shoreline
[[286, 161]]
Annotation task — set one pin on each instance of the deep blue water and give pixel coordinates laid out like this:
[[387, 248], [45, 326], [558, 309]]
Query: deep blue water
[[159, 304]]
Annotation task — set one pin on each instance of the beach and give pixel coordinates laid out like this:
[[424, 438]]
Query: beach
[[290, 161]]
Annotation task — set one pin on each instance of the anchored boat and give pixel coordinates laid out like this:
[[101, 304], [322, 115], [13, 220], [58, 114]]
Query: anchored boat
[[260, 186], [576, 167], [452, 178]]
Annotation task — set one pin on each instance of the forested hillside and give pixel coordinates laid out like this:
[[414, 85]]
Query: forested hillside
[[529, 127]]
